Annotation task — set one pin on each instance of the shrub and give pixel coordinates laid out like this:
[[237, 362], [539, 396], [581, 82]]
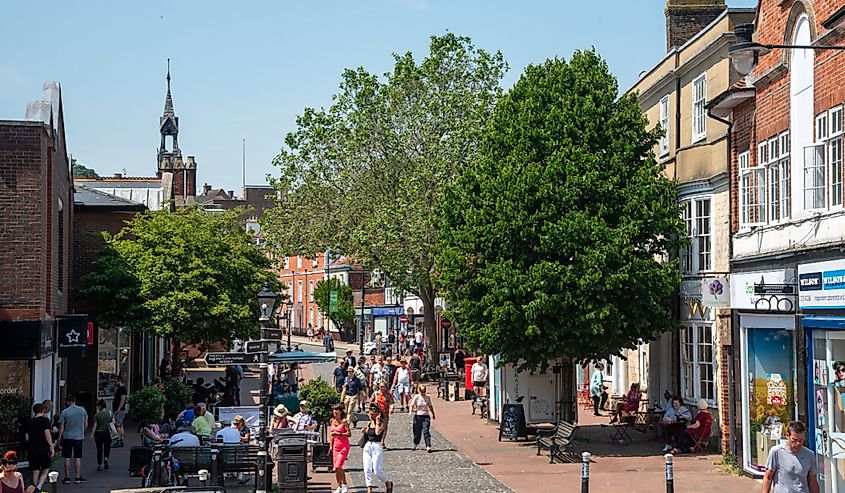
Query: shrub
[[321, 396], [176, 395], [14, 408], [147, 405]]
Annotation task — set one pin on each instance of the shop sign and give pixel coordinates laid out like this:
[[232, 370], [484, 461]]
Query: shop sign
[[389, 311], [822, 285], [73, 336], [692, 307], [764, 291], [716, 292]]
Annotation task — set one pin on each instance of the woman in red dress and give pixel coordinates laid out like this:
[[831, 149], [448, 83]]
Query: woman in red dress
[[339, 433]]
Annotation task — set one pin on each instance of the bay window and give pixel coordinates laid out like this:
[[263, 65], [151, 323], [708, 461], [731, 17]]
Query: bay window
[[698, 254], [664, 124], [699, 110], [698, 362], [752, 185]]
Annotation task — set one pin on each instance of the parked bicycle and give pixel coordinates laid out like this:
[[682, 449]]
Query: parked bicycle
[[163, 469]]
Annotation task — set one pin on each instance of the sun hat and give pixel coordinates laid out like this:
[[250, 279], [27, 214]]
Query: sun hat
[[280, 411], [304, 404]]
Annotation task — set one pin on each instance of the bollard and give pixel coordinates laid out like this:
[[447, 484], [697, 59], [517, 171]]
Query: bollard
[[585, 472], [53, 477], [670, 476], [203, 474]]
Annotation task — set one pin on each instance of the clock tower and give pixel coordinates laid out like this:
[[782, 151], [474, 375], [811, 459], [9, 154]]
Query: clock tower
[[178, 176]]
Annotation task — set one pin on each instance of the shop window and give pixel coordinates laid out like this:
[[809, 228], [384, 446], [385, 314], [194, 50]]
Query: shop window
[[113, 359], [698, 363], [15, 378]]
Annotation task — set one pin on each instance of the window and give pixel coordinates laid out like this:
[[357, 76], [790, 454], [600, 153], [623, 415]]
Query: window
[[311, 315], [664, 124], [311, 291], [784, 175], [299, 261], [699, 112], [752, 184], [314, 262], [835, 156], [777, 171], [287, 263], [698, 255], [299, 291], [698, 364]]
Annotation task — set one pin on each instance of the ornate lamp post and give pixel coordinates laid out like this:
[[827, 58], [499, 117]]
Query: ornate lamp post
[[266, 303], [745, 52], [289, 313]]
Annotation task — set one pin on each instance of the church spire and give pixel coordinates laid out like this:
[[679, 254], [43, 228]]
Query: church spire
[[168, 101]]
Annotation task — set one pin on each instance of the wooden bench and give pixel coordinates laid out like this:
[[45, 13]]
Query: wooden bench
[[192, 459], [558, 442]]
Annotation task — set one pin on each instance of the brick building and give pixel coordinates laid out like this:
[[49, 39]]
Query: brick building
[[36, 213], [114, 351], [788, 231]]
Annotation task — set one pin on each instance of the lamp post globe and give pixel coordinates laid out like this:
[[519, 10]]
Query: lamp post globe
[[266, 302], [744, 53]]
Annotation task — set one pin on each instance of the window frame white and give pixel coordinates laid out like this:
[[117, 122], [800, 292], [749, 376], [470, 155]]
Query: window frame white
[[311, 291], [751, 178], [299, 291], [836, 138], [299, 261], [287, 263], [698, 362], [664, 124], [699, 108], [694, 255]]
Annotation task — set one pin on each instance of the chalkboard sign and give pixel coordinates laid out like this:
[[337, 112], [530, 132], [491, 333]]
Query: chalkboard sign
[[513, 422]]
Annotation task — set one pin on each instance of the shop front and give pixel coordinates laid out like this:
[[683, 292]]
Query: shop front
[[822, 300], [765, 302]]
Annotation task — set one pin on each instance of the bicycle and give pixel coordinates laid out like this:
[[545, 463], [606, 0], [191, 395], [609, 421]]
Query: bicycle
[[163, 469]]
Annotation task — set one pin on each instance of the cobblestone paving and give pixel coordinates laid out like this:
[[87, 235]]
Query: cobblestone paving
[[444, 469]]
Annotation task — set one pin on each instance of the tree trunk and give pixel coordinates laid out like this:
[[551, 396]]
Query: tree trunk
[[568, 393], [429, 328]]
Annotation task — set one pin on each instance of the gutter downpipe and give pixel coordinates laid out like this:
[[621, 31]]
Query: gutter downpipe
[[731, 363]]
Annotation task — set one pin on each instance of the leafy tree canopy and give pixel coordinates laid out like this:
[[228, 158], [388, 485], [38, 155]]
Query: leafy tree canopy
[[554, 241], [345, 314], [81, 170], [186, 275], [362, 176]]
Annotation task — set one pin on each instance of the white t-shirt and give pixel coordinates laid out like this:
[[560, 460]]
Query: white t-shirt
[[377, 371], [479, 372], [229, 435], [418, 337], [184, 439], [403, 377]]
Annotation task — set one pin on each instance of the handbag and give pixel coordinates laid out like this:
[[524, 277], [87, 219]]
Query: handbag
[[363, 440], [112, 428]]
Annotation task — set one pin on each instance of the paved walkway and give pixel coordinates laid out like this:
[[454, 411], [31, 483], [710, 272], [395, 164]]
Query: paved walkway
[[636, 467]]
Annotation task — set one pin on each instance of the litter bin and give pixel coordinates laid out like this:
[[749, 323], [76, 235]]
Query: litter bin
[[291, 459], [468, 392]]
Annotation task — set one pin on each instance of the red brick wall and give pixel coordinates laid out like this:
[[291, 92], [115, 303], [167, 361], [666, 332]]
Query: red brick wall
[[32, 180], [87, 243], [741, 141]]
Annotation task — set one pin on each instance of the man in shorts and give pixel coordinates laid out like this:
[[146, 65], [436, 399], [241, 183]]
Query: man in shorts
[[119, 409], [73, 423], [415, 364], [479, 376]]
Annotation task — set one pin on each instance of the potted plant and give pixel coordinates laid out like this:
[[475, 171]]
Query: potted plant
[[176, 395], [147, 405]]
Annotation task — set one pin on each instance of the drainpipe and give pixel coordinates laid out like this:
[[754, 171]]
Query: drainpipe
[[730, 351]]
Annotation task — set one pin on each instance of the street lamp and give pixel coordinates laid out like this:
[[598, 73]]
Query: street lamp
[[745, 52], [289, 312], [266, 299]]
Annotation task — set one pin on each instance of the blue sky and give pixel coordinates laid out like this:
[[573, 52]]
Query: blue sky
[[244, 70]]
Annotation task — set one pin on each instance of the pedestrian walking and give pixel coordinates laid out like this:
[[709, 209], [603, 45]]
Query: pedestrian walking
[[328, 343], [339, 433], [310, 333], [373, 454], [11, 481], [415, 365], [479, 374], [791, 467], [119, 408], [73, 423], [383, 399], [351, 391], [423, 411], [597, 392], [39, 445], [101, 434], [402, 384]]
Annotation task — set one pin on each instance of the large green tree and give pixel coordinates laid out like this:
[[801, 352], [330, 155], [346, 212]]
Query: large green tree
[[185, 275], [81, 170], [345, 314], [361, 177], [555, 242]]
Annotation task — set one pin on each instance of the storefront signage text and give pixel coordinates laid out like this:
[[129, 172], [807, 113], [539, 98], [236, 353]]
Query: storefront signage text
[[822, 285], [764, 291]]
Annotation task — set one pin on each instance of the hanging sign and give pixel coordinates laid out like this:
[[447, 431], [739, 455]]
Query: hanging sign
[[716, 292], [332, 301]]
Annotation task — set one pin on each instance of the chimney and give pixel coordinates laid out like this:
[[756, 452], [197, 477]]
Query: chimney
[[686, 18], [232, 194], [206, 188]]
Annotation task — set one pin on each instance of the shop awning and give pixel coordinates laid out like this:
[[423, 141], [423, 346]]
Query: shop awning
[[290, 357], [824, 322]]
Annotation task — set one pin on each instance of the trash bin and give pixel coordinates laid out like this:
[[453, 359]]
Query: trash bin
[[291, 459], [468, 392]]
